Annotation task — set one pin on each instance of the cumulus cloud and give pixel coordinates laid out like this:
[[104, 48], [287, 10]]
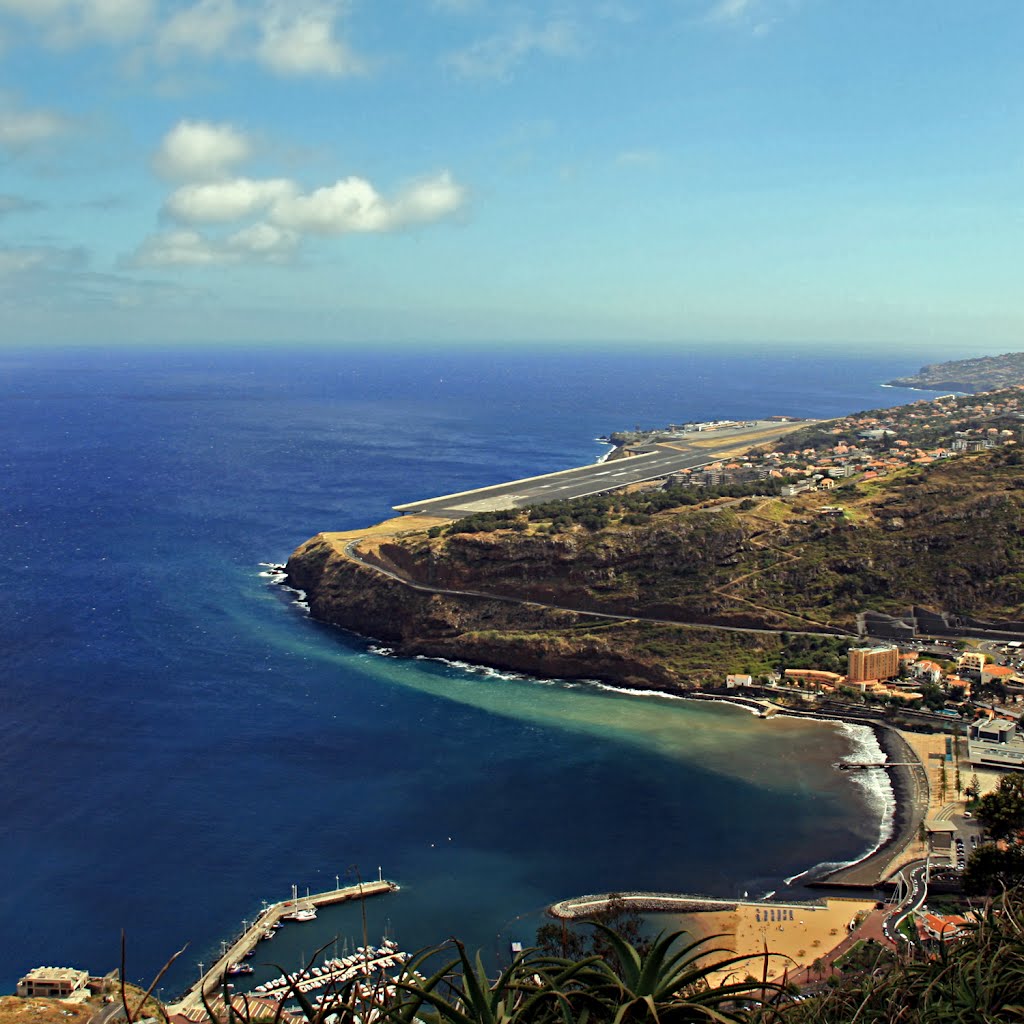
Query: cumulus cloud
[[221, 201], [498, 55], [20, 129], [259, 243], [199, 150], [23, 259], [354, 205], [271, 215], [65, 22], [290, 37], [301, 40], [757, 16], [729, 10], [204, 29], [263, 241], [177, 248]]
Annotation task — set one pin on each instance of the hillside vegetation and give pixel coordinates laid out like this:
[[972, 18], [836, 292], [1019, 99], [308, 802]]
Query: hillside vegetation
[[949, 536]]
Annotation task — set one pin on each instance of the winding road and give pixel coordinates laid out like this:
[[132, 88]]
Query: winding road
[[352, 554]]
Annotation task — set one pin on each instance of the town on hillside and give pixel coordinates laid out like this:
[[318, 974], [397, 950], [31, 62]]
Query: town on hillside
[[865, 446]]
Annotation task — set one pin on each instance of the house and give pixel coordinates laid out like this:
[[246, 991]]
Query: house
[[732, 681], [942, 927], [997, 674], [970, 662], [926, 671]]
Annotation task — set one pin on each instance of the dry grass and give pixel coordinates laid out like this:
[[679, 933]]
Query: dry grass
[[772, 511], [379, 532], [746, 440], [14, 1010]]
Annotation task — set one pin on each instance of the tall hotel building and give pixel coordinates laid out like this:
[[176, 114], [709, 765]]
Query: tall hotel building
[[868, 663]]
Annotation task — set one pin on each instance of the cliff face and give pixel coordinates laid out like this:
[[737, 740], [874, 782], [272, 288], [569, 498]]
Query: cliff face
[[510, 635], [665, 569], [347, 594], [949, 537]]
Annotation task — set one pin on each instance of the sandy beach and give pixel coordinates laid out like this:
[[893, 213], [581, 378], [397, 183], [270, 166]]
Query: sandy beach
[[795, 934]]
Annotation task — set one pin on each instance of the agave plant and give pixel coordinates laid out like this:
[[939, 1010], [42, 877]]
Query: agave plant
[[672, 985], [534, 988]]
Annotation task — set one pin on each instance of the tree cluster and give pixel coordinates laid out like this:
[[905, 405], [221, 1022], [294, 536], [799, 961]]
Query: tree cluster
[[597, 511]]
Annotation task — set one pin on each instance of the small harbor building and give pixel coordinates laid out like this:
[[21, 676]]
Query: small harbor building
[[53, 983]]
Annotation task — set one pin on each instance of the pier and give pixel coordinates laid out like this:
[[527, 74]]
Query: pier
[[210, 982]]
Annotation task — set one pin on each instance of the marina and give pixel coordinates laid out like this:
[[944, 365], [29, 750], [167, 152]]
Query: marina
[[270, 919], [335, 971]]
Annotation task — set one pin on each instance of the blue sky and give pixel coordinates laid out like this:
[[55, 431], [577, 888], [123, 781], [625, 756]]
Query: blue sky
[[808, 172]]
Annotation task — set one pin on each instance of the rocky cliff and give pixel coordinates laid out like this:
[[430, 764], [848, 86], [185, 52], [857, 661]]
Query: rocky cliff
[[949, 536]]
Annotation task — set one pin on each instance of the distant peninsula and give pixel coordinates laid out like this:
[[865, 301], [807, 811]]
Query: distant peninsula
[[986, 373]]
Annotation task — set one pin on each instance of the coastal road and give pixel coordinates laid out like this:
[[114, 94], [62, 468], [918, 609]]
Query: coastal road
[[916, 895], [687, 452]]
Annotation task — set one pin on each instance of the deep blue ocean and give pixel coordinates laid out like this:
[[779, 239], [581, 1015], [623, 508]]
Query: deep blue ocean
[[180, 742]]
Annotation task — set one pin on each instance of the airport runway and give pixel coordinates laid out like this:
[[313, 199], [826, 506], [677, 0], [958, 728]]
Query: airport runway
[[660, 461], [569, 483]]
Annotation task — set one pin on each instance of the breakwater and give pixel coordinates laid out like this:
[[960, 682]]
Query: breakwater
[[263, 929], [657, 902]]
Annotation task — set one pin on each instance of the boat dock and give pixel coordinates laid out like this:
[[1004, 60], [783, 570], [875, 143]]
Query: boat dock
[[264, 927]]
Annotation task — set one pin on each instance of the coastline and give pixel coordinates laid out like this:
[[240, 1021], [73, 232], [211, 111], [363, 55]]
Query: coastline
[[867, 871]]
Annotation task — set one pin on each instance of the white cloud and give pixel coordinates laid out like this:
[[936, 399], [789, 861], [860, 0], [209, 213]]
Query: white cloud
[[204, 29], [66, 22], [199, 150], [220, 201], [176, 248], [757, 16], [259, 243], [298, 40], [498, 55], [264, 241], [290, 37], [354, 205], [20, 129], [638, 158], [729, 10], [22, 259]]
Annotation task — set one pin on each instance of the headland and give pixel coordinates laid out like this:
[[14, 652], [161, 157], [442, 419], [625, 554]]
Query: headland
[[769, 556]]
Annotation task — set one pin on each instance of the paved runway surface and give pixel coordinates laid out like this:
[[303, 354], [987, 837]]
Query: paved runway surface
[[659, 461]]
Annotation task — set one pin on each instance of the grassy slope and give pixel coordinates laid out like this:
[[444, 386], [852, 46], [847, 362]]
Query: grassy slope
[[945, 536]]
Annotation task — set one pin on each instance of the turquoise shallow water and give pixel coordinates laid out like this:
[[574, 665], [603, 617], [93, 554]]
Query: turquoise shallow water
[[181, 742]]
